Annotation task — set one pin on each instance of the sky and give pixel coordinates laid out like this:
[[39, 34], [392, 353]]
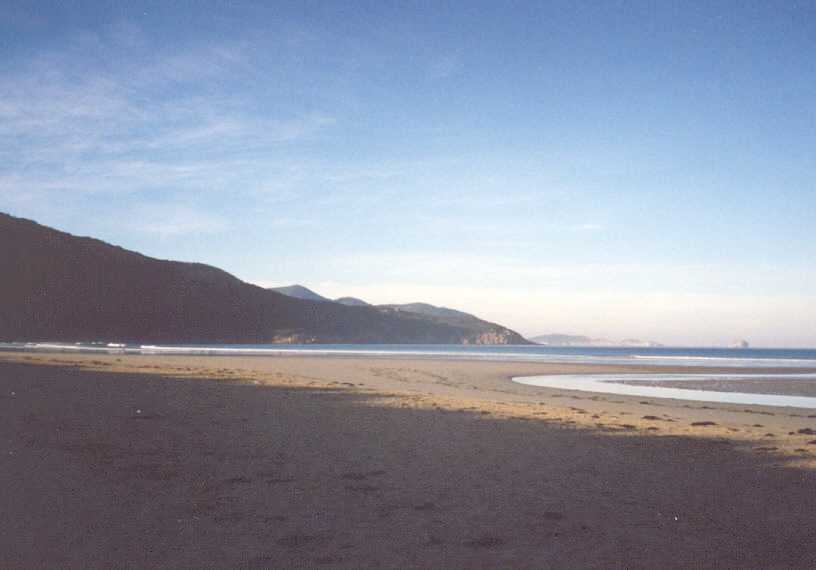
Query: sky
[[611, 169]]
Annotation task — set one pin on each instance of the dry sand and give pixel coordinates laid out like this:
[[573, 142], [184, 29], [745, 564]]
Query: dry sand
[[278, 462]]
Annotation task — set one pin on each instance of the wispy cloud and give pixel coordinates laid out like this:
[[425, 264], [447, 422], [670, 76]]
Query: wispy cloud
[[170, 220], [511, 271], [444, 66], [585, 227], [72, 123]]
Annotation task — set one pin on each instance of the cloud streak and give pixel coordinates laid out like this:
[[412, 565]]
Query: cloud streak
[[172, 220], [70, 123]]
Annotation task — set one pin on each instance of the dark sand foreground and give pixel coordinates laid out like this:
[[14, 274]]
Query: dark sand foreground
[[222, 462]]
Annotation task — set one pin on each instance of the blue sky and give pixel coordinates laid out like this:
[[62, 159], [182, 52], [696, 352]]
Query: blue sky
[[617, 169]]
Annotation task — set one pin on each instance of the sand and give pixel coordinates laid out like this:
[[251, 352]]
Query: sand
[[277, 462]]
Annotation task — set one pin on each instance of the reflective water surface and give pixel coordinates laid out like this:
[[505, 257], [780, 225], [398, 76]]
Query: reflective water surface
[[611, 384]]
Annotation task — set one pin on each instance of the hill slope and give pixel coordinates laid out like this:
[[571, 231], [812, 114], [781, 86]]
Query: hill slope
[[352, 302], [299, 292], [60, 287], [433, 311], [487, 332]]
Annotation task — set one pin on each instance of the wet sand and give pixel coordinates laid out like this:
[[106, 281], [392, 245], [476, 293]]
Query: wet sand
[[226, 462], [786, 387]]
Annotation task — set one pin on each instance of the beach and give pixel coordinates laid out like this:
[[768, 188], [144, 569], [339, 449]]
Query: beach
[[135, 461]]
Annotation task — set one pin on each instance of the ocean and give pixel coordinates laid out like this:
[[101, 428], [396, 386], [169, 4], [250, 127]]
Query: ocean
[[674, 356]]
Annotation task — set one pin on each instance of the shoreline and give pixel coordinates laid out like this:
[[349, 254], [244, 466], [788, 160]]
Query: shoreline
[[464, 352], [599, 367], [489, 386], [168, 461]]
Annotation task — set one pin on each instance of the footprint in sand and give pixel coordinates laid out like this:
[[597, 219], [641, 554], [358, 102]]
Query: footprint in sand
[[365, 489], [353, 476], [299, 540], [328, 560], [142, 416], [259, 562], [229, 518], [237, 480], [276, 480], [488, 542]]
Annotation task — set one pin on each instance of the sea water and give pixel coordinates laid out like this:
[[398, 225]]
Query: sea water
[[743, 358], [667, 356], [612, 384]]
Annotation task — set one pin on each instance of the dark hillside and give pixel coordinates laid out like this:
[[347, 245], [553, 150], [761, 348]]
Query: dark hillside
[[59, 287]]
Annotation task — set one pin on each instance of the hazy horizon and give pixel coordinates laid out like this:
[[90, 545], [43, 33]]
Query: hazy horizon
[[384, 295], [617, 171]]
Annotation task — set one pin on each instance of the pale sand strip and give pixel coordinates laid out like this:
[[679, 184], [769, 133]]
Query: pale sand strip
[[138, 461]]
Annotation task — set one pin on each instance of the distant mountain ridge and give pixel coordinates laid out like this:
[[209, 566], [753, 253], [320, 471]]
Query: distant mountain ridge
[[352, 302], [580, 340], [59, 287], [299, 292], [432, 312]]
